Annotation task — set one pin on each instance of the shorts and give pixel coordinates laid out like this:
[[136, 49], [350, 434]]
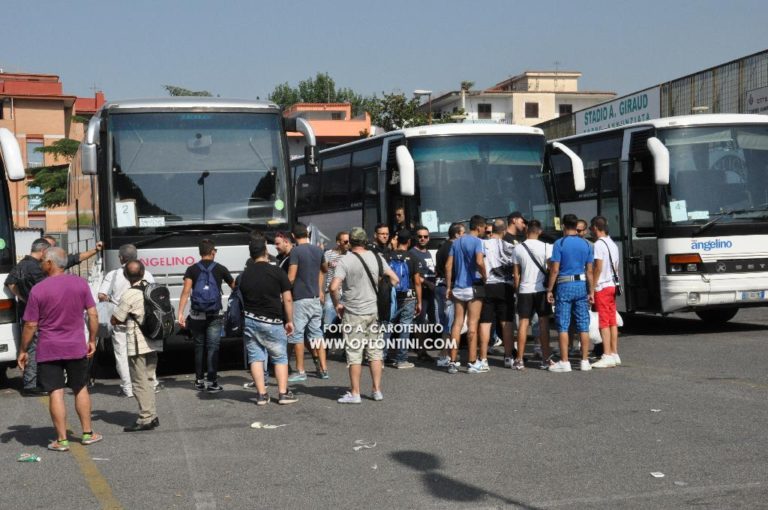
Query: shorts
[[605, 304], [50, 374], [498, 303], [476, 291], [262, 340], [533, 303], [572, 296], [362, 336], [307, 320]]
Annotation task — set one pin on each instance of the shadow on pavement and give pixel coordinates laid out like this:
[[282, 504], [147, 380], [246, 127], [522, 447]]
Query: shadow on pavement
[[28, 436], [119, 418]]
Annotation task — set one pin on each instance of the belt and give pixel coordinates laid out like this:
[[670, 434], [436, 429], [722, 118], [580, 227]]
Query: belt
[[261, 318], [572, 278], [405, 295]]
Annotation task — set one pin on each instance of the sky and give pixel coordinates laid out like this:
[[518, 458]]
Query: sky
[[243, 49]]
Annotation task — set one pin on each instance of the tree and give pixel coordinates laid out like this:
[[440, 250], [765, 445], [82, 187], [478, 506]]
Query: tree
[[395, 111], [173, 90], [52, 179], [320, 89]]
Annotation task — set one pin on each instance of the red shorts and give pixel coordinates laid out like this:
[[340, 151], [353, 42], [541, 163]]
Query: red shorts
[[605, 304]]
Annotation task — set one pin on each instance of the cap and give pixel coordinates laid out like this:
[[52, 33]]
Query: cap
[[357, 235], [403, 236]]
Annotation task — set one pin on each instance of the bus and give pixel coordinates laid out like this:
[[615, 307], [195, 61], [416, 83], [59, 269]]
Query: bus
[[686, 199], [439, 173], [13, 170], [163, 174]]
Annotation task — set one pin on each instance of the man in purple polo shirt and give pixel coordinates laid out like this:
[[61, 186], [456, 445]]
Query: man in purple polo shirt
[[55, 310]]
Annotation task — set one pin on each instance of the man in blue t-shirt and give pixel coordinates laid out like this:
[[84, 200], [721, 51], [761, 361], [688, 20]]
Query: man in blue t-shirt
[[571, 271], [465, 277]]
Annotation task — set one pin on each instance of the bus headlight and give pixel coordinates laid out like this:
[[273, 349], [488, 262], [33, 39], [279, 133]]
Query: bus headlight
[[694, 298], [684, 263]]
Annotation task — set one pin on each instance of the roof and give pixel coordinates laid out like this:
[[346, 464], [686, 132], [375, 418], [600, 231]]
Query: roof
[[188, 102]]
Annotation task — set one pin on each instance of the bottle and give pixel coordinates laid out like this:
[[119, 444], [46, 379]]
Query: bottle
[[28, 457]]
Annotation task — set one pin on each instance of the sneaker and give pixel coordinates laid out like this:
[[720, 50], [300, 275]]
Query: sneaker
[[298, 377], [497, 342], [214, 387], [403, 364], [616, 359], [509, 362], [484, 365], [377, 396], [585, 366], [349, 398], [123, 394], [287, 398], [91, 438], [443, 361], [453, 367], [249, 385], [475, 368], [519, 365], [606, 361], [560, 366], [262, 399], [160, 387], [199, 384], [323, 374], [546, 363]]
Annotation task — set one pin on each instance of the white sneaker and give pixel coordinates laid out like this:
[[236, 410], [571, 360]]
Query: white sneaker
[[497, 342], [443, 361], [484, 365], [349, 398], [475, 368], [585, 366], [560, 366], [616, 359], [509, 362], [606, 361]]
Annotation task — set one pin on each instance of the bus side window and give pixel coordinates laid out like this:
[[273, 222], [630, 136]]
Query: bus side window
[[643, 197]]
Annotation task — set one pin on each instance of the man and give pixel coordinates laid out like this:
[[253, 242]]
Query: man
[[408, 294], [74, 259], [445, 311], [428, 315], [142, 353], [400, 222], [283, 245], [268, 320], [499, 300], [359, 312], [112, 288], [466, 262], [306, 272], [571, 272], [581, 229], [22, 277], [55, 310], [606, 273], [530, 274], [380, 243], [331, 258], [205, 313], [515, 228]]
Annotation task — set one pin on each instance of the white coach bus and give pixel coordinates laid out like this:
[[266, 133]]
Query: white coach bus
[[13, 170], [440, 174], [686, 199], [163, 174]]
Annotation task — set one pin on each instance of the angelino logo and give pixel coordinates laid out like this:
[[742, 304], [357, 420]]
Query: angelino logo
[[711, 245], [168, 261]]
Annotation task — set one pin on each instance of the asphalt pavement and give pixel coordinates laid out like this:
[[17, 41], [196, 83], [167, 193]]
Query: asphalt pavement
[[689, 402]]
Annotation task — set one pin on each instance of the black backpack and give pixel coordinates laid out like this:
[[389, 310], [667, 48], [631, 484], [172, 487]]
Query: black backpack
[[234, 319], [159, 315]]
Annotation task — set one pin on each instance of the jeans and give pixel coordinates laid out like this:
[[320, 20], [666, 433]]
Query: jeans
[[264, 340], [444, 309], [29, 378], [404, 316], [207, 335], [307, 320]]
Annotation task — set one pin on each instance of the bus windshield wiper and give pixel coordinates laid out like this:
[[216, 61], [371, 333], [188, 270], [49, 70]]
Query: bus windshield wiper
[[730, 212]]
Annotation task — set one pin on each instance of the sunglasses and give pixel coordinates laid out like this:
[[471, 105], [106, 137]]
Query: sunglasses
[[581, 230], [423, 237], [345, 242]]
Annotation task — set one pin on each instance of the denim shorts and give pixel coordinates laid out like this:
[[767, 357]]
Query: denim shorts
[[263, 339], [307, 320]]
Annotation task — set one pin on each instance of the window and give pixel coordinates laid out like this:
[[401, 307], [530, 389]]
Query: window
[[307, 190], [35, 159], [335, 182], [37, 222], [35, 198], [336, 116], [531, 110], [484, 111], [566, 109]]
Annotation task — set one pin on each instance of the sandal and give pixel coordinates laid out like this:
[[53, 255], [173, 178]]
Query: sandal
[[91, 438], [60, 445]]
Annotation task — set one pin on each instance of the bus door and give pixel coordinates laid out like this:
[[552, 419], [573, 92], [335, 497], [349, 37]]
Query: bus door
[[371, 215], [609, 205], [642, 258]]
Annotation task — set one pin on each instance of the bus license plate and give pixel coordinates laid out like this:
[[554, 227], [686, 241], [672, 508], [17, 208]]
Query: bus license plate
[[755, 295]]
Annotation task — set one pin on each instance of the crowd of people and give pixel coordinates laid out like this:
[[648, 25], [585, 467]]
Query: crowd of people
[[483, 284]]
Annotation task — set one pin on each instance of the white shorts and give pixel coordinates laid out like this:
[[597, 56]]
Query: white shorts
[[463, 294]]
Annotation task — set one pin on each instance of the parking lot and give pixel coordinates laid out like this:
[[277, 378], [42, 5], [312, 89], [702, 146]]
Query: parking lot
[[689, 402]]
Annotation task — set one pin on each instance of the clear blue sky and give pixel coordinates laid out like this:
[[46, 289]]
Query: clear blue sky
[[245, 48]]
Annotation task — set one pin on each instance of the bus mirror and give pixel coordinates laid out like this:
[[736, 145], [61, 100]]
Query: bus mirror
[[92, 131], [302, 126], [577, 166], [407, 171], [660, 160], [310, 159], [88, 158], [14, 165]]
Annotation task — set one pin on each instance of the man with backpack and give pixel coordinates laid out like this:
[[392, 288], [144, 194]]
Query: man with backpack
[[408, 293], [142, 351], [202, 288]]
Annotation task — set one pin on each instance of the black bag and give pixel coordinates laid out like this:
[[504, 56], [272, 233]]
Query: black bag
[[616, 281], [234, 319], [159, 315], [383, 290]]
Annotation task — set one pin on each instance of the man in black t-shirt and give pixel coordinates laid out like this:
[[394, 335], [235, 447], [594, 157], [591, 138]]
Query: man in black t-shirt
[[203, 281], [268, 307], [408, 291], [515, 228]]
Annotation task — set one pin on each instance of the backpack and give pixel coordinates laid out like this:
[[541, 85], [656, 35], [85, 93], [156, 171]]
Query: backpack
[[206, 294], [159, 316], [401, 265], [234, 319], [386, 302]]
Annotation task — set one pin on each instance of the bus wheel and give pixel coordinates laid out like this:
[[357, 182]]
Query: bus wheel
[[717, 315]]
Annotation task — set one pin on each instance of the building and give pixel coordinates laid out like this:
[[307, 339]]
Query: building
[[38, 112], [333, 124], [527, 99]]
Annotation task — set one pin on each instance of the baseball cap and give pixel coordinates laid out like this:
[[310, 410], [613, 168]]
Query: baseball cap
[[403, 236], [358, 236]]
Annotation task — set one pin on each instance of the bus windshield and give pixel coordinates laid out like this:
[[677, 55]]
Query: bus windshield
[[6, 226], [490, 175], [716, 170], [177, 168]]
